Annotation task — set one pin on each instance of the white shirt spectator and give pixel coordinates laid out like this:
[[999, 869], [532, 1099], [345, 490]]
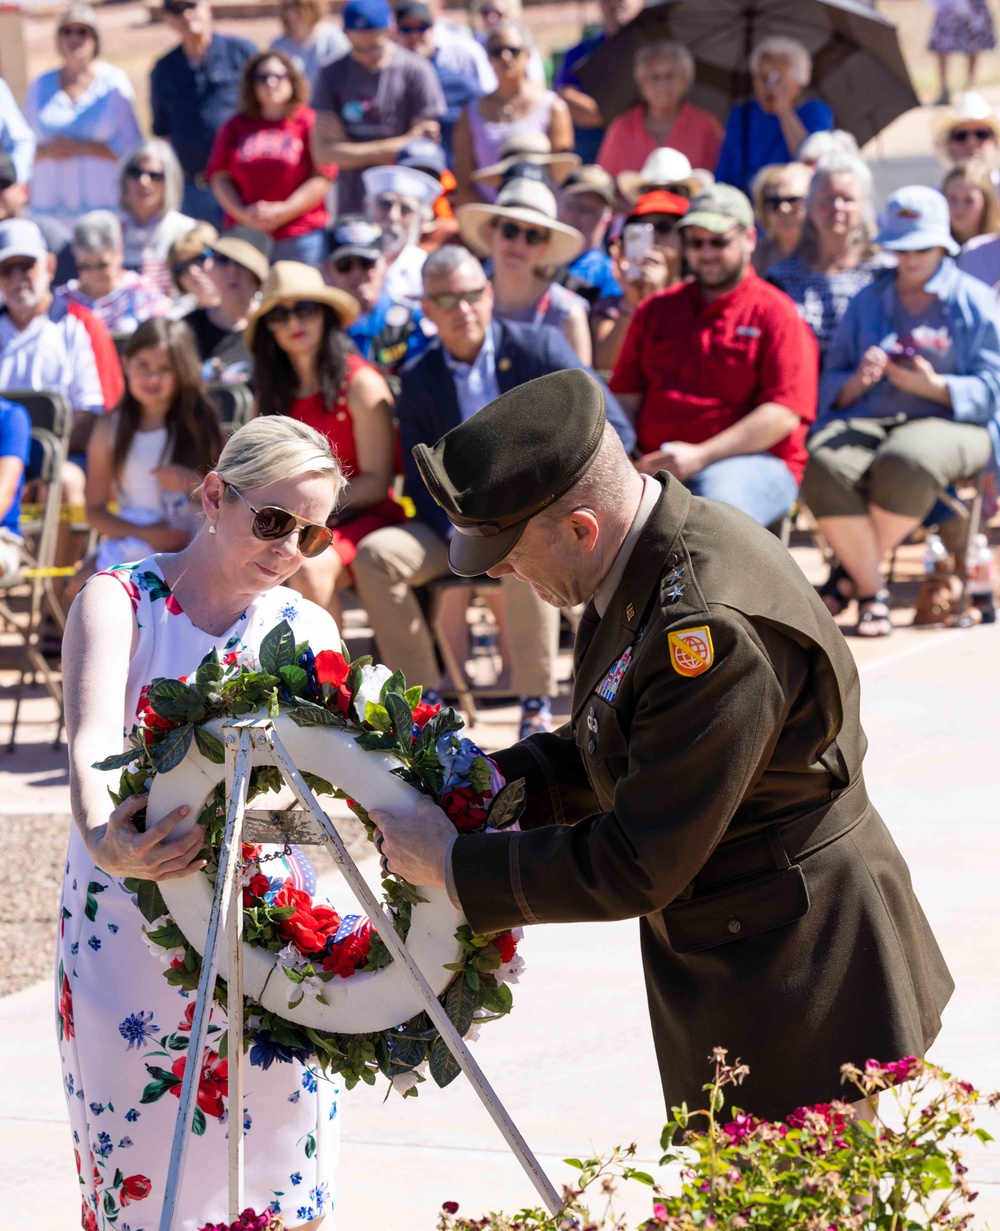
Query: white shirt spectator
[[51, 355], [147, 244], [403, 279]]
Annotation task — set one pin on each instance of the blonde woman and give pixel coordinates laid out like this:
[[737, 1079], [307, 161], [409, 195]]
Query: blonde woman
[[779, 196], [309, 38], [973, 205]]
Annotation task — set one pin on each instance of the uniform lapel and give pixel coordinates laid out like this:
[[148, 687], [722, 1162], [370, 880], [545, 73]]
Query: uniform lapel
[[620, 624]]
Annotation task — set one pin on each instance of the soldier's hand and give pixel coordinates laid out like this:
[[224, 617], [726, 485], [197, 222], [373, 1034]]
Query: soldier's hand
[[413, 844]]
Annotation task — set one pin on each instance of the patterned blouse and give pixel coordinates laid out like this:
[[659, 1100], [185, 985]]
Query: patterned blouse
[[822, 299]]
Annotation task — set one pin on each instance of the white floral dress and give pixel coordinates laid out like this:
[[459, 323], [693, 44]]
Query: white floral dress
[[124, 1030]]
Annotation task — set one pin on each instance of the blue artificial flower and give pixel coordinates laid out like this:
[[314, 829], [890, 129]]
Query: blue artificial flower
[[456, 757], [296, 1177], [265, 1051], [309, 1081], [132, 1115], [137, 1028], [307, 661]]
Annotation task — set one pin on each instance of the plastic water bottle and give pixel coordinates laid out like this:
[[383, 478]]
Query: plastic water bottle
[[935, 555], [980, 573]]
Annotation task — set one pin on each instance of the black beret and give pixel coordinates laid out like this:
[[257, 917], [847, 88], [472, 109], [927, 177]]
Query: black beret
[[512, 459]]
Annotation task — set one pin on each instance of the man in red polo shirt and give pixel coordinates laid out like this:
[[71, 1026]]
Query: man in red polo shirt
[[721, 372]]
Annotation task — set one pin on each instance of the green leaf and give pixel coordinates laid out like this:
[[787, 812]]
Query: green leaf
[[176, 701], [209, 669], [508, 806], [441, 724], [294, 678], [148, 898], [412, 696], [444, 1067], [402, 720], [472, 978], [375, 741], [573, 1162], [277, 649], [407, 1051], [459, 1004], [377, 717], [169, 935], [395, 683], [480, 776], [354, 678], [198, 1122], [314, 716], [119, 761], [318, 785], [642, 1176], [210, 746], [173, 749]]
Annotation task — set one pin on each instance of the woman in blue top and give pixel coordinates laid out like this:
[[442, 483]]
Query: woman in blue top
[[908, 402], [771, 126]]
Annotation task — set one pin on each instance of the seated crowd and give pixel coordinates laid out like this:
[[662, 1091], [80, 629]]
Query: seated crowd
[[377, 229]]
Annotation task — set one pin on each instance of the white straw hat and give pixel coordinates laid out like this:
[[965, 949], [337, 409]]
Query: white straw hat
[[664, 168], [528, 147], [526, 201]]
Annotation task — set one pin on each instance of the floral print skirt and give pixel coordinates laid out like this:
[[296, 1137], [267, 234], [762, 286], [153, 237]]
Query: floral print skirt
[[967, 30]]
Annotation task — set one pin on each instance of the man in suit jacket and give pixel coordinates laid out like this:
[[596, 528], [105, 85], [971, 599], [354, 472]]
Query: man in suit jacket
[[710, 778], [476, 359]]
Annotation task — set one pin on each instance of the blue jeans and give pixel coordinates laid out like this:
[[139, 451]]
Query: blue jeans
[[310, 248], [201, 204], [758, 483]]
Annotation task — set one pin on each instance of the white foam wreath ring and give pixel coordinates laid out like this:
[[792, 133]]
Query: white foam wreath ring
[[367, 1001]]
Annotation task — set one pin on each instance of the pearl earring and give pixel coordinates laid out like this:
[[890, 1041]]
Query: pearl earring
[[211, 529]]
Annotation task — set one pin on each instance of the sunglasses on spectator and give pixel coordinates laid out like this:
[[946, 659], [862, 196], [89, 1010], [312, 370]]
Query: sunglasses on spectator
[[92, 267], [420, 28], [272, 74], [449, 300], [137, 173], [662, 226], [776, 202], [199, 258], [177, 7], [271, 523], [21, 265], [348, 264], [304, 310], [386, 200], [533, 236], [718, 242], [77, 31], [963, 134], [496, 53]]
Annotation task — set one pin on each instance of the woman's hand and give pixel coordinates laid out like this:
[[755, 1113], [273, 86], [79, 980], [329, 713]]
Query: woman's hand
[[679, 458], [265, 215], [639, 280], [872, 367], [119, 849], [163, 537], [59, 146]]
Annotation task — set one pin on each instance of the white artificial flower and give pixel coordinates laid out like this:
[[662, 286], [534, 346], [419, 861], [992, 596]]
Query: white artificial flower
[[372, 679], [404, 1081], [512, 971], [472, 1034]]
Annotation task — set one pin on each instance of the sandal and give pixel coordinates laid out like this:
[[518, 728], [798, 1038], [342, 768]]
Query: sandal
[[873, 616], [833, 590]]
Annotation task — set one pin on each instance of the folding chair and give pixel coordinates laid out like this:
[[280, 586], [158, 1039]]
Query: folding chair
[[46, 409], [233, 402], [49, 452]]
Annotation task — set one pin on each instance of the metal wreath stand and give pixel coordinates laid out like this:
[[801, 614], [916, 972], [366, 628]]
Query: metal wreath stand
[[312, 828]]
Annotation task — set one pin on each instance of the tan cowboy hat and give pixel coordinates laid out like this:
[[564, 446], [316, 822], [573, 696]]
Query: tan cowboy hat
[[528, 147], [295, 281], [969, 108], [525, 201], [664, 168]]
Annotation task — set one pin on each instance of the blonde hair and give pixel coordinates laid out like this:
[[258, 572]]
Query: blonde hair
[[765, 178], [314, 11], [201, 236], [274, 447], [977, 174]]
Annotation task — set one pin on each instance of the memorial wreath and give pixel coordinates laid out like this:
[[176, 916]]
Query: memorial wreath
[[314, 947]]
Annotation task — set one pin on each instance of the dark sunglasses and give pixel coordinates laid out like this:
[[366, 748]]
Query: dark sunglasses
[[422, 28], [777, 202], [138, 173], [496, 53], [448, 300], [664, 226], [77, 31], [199, 258], [271, 75], [348, 264], [963, 134], [533, 237], [271, 523], [304, 310], [718, 242], [177, 7]]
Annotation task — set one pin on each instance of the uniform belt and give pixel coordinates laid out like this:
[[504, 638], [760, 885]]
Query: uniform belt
[[779, 845]]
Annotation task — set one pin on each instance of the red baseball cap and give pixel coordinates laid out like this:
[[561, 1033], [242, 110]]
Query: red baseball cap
[[659, 202]]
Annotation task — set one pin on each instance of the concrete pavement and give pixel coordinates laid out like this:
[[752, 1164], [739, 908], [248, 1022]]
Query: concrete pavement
[[574, 1065]]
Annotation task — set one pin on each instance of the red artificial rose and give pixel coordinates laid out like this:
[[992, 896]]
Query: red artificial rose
[[333, 669], [311, 925], [135, 1188], [213, 1085], [88, 1220], [351, 953], [66, 1008], [149, 719], [423, 713], [450, 1207], [465, 808], [507, 945], [259, 885]]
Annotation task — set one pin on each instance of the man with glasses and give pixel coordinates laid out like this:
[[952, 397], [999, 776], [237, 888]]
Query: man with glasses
[[388, 332], [721, 372], [475, 358], [370, 103], [194, 89], [454, 59]]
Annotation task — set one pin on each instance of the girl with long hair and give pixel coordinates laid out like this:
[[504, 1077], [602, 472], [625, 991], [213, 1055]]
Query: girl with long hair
[[307, 368], [151, 454]]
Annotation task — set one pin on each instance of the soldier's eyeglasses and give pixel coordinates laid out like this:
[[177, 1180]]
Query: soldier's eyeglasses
[[271, 523]]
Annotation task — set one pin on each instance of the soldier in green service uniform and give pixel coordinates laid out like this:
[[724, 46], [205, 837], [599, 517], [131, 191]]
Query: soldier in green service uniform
[[710, 780]]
